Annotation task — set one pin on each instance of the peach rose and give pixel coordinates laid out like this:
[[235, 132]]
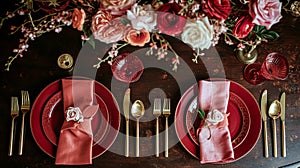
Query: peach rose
[[101, 19], [78, 17], [137, 37], [111, 32], [116, 7], [265, 12]]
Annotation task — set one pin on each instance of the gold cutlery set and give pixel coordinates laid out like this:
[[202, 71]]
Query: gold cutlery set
[[137, 111], [25, 107], [166, 111], [276, 110]]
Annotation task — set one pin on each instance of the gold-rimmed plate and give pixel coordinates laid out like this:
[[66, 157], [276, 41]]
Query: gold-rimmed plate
[[245, 145], [36, 118], [238, 119], [52, 118]]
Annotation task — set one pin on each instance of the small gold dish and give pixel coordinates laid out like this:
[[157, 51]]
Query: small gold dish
[[65, 61]]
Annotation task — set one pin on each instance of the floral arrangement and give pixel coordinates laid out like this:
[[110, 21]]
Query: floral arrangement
[[199, 23]]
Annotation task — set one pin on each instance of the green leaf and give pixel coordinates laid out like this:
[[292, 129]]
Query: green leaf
[[256, 28], [202, 114], [272, 35], [124, 21], [92, 43], [259, 29]]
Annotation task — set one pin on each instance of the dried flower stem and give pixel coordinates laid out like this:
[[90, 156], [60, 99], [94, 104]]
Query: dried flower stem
[[110, 56], [227, 36], [285, 6], [163, 41], [13, 12], [32, 23], [197, 54], [12, 58]]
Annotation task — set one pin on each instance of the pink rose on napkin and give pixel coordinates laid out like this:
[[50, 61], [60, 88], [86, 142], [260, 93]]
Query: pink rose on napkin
[[76, 137], [213, 133], [265, 12]]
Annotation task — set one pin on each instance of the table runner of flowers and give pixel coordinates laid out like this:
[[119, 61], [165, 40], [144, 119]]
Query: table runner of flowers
[[199, 23]]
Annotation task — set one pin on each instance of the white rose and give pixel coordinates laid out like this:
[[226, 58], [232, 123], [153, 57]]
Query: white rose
[[215, 116], [198, 34], [142, 17], [75, 114]]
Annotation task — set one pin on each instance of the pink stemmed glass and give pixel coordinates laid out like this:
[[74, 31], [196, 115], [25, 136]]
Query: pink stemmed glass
[[127, 68], [275, 67]]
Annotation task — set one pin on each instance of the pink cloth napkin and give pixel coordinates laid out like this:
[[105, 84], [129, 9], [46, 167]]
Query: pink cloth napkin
[[213, 133], [76, 137]]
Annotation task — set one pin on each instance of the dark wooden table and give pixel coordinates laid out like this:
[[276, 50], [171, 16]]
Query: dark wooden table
[[38, 68]]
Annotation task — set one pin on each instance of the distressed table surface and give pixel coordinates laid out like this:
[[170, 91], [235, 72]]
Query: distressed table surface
[[38, 68]]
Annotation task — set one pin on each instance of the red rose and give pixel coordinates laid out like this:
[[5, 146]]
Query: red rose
[[243, 26], [219, 9], [168, 20]]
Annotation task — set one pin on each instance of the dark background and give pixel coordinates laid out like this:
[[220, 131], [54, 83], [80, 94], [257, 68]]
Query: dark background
[[38, 68]]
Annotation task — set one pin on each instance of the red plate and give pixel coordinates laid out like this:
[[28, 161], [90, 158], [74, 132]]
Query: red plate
[[238, 119], [255, 119], [53, 118], [37, 111]]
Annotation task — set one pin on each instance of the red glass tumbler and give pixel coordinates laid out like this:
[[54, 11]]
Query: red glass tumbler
[[274, 67]]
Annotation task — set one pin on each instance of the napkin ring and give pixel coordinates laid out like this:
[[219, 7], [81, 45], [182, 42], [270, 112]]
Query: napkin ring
[[75, 114], [215, 117]]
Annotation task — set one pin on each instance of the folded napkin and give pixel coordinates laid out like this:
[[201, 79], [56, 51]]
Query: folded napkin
[[76, 137], [213, 133]]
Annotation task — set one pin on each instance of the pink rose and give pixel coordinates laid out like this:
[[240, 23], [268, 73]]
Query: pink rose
[[219, 9], [111, 32], [168, 20], [243, 26], [116, 7], [78, 18], [265, 12]]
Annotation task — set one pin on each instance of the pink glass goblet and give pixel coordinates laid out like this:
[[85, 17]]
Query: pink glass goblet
[[274, 67], [127, 68]]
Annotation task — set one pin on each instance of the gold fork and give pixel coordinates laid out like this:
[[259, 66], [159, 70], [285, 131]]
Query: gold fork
[[14, 113], [25, 107], [166, 113], [157, 113]]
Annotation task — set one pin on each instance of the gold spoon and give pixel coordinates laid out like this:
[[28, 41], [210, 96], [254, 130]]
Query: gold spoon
[[137, 111], [274, 113]]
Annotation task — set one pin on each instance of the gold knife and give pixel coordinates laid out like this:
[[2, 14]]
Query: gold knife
[[126, 104], [282, 117], [263, 110]]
